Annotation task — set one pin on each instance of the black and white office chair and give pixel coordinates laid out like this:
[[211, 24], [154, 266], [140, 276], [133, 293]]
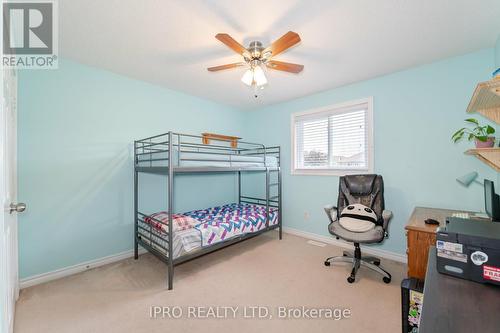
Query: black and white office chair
[[359, 217]]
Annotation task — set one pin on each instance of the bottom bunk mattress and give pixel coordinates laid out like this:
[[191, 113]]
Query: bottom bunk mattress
[[211, 226]]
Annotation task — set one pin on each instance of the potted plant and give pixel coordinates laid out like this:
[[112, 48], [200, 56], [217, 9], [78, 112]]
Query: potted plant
[[482, 135]]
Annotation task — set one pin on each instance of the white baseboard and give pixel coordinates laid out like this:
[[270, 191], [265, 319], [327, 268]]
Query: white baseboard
[[333, 241], [63, 272]]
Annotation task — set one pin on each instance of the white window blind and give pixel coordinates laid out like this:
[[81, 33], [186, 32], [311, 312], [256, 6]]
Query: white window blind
[[333, 139]]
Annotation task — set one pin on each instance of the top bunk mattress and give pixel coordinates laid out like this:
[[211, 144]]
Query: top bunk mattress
[[206, 159]]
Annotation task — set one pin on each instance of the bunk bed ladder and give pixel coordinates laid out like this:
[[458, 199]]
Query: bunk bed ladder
[[280, 207], [279, 196], [273, 198], [268, 190]]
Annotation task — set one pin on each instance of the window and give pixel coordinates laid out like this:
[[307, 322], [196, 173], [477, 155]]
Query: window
[[334, 140]]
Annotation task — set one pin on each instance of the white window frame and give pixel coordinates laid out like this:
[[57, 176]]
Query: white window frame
[[336, 172]]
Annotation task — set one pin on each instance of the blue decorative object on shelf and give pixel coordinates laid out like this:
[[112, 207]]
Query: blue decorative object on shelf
[[497, 72]]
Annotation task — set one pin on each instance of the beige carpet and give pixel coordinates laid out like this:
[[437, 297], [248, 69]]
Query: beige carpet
[[262, 272]]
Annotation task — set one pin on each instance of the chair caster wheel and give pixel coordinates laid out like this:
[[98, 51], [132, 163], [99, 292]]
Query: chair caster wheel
[[387, 279], [376, 263], [327, 263], [350, 279]]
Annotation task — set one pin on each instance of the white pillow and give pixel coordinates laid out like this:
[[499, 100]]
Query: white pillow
[[358, 218]]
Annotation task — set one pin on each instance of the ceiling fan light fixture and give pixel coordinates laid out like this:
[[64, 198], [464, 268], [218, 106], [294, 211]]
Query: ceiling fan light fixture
[[259, 77], [247, 78], [267, 54]]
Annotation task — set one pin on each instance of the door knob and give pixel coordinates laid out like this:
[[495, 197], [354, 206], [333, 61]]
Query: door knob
[[19, 207]]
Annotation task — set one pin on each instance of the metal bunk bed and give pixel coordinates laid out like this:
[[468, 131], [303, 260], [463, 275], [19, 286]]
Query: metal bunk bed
[[175, 153]]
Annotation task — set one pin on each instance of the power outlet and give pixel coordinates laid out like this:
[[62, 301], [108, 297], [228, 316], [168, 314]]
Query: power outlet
[[307, 216]]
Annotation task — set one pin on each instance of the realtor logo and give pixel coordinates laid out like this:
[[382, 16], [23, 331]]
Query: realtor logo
[[29, 34]]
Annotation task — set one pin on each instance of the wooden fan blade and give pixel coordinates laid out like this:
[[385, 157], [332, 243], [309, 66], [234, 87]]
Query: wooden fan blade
[[285, 42], [285, 66], [231, 43], [221, 67]]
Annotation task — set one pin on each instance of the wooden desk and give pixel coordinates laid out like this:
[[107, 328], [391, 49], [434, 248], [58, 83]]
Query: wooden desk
[[420, 236], [456, 305]]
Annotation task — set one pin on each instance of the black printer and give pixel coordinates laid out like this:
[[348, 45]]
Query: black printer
[[469, 249]]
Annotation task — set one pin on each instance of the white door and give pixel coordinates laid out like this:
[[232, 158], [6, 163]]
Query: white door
[[8, 198]]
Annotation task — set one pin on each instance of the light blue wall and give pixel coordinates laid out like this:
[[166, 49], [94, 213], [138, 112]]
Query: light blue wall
[[497, 53], [415, 113], [76, 128]]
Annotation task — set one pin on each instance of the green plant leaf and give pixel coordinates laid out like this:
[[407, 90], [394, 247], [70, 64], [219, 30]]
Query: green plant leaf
[[471, 136], [472, 120], [490, 130], [458, 134], [482, 138]]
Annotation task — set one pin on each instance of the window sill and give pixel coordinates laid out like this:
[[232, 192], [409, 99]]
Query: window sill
[[303, 172]]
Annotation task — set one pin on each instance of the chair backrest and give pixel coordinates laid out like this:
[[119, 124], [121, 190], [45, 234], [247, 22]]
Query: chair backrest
[[367, 190]]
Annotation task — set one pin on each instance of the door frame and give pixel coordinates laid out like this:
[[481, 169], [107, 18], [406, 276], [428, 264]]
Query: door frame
[[8, 193], [9, 279]]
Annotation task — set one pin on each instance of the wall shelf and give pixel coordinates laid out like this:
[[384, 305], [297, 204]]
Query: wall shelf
[[490, 156], [486, 100]]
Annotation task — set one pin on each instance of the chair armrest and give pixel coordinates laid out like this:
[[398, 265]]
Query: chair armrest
[[386, 217], [331, 212]]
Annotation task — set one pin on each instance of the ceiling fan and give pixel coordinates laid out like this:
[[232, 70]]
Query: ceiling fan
[[256, 56]]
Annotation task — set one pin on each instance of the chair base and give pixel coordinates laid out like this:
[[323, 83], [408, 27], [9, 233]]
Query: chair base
[[357, 261]]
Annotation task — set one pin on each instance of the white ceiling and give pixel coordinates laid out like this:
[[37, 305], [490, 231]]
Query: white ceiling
[[171, 43]]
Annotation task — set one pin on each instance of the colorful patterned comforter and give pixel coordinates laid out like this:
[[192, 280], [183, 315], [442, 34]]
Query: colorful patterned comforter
[[220, 223]]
